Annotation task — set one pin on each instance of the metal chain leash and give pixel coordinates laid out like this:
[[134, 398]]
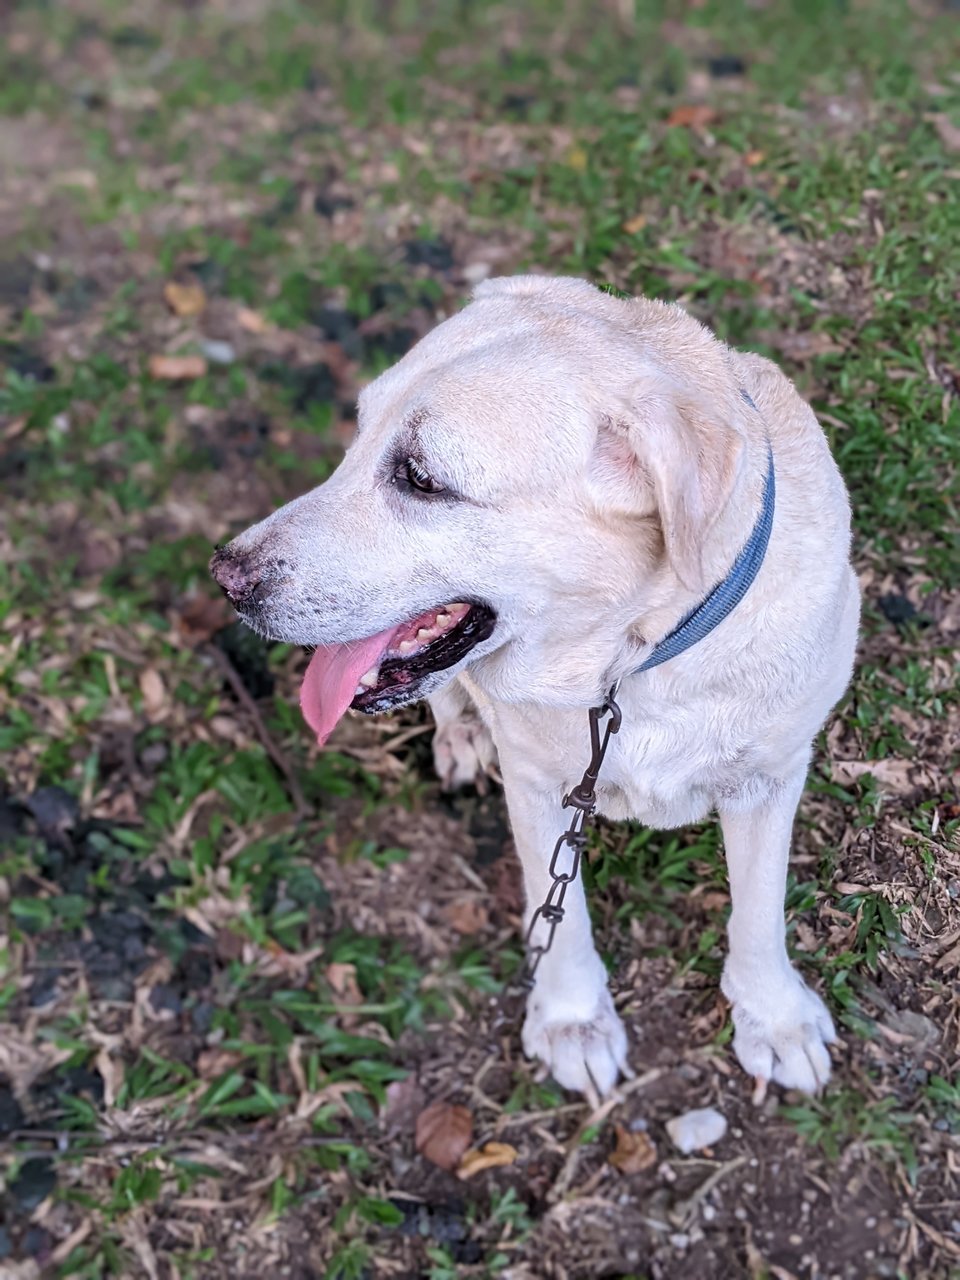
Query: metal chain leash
[[583, 800]]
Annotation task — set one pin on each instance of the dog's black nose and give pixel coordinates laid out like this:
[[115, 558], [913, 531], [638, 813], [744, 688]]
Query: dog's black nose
[[236, 574]]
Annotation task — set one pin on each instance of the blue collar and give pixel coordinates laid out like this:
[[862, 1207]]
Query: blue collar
[[726, 595]]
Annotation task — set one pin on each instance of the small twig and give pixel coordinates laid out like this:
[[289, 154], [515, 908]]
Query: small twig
[[682, 1213], [120, 1145], [597, 1116], [263, 733]]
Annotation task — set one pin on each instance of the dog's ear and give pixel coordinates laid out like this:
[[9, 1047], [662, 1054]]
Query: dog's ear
[[685, 453]]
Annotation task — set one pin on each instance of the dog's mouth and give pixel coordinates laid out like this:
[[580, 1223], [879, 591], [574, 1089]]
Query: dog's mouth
[[387, 670]]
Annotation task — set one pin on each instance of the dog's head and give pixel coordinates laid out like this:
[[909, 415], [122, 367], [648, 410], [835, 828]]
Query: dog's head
[[541, 471]]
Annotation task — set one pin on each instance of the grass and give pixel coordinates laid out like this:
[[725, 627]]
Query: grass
[[224, 957]]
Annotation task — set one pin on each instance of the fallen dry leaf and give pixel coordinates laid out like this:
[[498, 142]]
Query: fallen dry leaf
[[252, 321], [177, 368], [753, 158], [443, 1134], [343, 979], [893, 775], [111, 1073], [154, 692], [467, 916], [694, 116], [633, 1153], [492, 1155], [184, 299], [217, 1062], [201, 616], [633, 225], [948, 131]]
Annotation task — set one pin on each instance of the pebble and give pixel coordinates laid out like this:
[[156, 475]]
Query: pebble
[[695, 1130], [474, 272], [33, 1184], [218, 352]]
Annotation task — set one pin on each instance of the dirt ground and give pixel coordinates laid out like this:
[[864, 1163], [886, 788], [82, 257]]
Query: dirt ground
[[235, 972]]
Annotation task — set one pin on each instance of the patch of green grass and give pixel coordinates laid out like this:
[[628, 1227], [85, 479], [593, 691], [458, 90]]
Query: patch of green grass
[[844, 1117]]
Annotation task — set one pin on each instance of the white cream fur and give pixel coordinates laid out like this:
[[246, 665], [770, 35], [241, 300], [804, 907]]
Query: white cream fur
[[610, 469]]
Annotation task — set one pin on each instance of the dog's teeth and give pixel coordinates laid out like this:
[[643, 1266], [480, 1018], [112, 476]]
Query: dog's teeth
[[369, 679], [458, 609], [443, 621], [407, 647], [425, 634]]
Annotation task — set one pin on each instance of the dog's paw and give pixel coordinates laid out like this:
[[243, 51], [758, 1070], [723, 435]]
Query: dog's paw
[[781, 1029], [587, 1055], [463, 753]]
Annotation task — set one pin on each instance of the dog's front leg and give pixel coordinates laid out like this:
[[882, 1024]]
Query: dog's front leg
[[463, 750], [571, 1024], [781, 1028]]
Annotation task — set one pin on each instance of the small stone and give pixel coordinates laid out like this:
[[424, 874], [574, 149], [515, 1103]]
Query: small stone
[[36, 1242], [437, 254], [695, 1130], [218, 352], [726, 64], [11, 1115], [164, 999], [474, 272], [680, 1240], [55, 810], [33, 1184]]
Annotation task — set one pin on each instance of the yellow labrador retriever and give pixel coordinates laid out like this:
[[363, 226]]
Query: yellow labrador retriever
[[555, 491]]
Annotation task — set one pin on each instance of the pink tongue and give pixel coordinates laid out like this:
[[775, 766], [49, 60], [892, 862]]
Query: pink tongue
[[332, 678]]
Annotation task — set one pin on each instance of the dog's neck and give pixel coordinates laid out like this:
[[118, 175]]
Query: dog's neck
[[722, 599]]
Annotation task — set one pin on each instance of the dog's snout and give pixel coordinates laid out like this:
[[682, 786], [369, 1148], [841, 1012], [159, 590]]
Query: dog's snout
[[236, 573]]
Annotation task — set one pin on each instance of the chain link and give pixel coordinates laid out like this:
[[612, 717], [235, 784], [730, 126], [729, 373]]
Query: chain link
[[565, 862]]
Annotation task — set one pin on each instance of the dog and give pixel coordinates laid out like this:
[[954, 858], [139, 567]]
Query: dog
[[548, 487]]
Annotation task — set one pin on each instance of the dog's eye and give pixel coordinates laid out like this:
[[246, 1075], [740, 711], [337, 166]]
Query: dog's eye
[[411, 473]]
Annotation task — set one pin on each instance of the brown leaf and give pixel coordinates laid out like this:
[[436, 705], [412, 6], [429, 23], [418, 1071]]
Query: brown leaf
[[753, 158], [111, 1073], [492, 1155], [177, 368], [184, 299], [633, 1153], [202, 616], [948, 131], [467, 916], [154, 692], [252, 321], [217, 1062], [892, 775], [633, 225], [443, 1134], [695, 116], [343, 980]]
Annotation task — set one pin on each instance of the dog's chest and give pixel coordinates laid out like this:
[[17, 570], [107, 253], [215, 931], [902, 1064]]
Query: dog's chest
[[662, 770]]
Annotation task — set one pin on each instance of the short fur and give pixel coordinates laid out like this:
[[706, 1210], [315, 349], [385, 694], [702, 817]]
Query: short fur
[[610, 467]]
